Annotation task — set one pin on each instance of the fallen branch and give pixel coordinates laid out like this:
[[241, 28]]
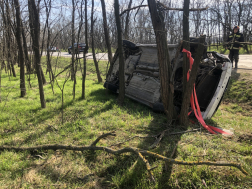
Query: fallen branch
[[174, 151], [158, 140], [137, 151], [103, 136], [131, 138], [157, 137], [147, 166], [181, 162], [183, 132]]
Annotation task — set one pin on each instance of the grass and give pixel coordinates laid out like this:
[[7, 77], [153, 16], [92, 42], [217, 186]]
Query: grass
[[223, 50], [24, 123], [97, 50], [220, 49]]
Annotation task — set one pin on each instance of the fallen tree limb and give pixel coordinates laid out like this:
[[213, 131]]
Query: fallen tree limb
[[131, 138], [183, 132], [158, 140], [157, 137], [181, 162], [147, 166], [120, 151], [139, 152], [103, 136]]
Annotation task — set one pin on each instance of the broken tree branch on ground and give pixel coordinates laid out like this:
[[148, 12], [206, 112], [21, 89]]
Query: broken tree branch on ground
[[139, 152]]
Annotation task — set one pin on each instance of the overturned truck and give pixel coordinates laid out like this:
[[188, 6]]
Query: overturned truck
[[142, 82]]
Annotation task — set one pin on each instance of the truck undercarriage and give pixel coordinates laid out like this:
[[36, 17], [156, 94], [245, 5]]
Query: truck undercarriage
[[142, 77]]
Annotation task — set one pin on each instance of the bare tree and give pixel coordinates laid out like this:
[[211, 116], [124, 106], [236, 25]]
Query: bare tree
[[1, 63], [20, 48], [73, 76], [121, 56], [84, 72], [163, 58], [106, 32], [126, 31], [8, 26], [186, 45], [27, 59], [35, 33], [93, 48]]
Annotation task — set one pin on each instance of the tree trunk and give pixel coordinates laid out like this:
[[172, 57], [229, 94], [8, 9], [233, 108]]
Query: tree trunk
[[93, 49], [35, 33], [121, 56], [163, 58], [185, 103], [48, 46], [106, 33], [20, 48], [9, 39], [189, 85], [126, 35], [84, 73], [73, 50], [0, 80], [27, 59]]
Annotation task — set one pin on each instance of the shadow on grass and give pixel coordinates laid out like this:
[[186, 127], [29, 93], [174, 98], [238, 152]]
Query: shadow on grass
[[125, 169], [136, 177], [131, 106], [39, 117]]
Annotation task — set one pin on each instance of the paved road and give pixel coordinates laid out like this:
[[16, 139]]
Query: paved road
[[245, 61], [99, 56]]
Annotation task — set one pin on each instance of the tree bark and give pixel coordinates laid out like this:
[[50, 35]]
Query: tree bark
[[106, 32], [27, 59], [190, 84], [121, 55], [35, 33], [186, 45], [1, 79], [20, 48], [163, 58], [93, 49], [8, 27], [126, 31], [48, 46], [84, 73], [73, 50]]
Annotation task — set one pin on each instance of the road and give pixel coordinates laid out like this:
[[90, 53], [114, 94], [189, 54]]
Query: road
[[245, 61], [99, 56]]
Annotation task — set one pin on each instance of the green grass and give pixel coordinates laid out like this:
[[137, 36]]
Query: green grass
[[97, 50], [24, 123], [223, 50], [220, 49]]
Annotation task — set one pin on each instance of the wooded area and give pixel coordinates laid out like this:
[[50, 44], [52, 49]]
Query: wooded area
[[30, 28], [45, 23]]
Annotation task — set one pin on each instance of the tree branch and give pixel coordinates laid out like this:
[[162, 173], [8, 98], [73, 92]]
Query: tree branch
[[103, 136], [136, 151], [164, 7]]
